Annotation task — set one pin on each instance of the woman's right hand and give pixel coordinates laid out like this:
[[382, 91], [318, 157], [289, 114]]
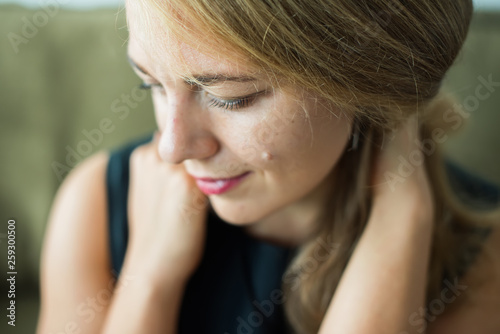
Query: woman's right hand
[[167, 216]]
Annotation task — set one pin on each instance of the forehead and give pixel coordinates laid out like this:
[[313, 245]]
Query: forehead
[[153, 47]]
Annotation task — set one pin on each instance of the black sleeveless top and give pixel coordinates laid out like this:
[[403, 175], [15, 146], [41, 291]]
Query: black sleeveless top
[[237, 286]]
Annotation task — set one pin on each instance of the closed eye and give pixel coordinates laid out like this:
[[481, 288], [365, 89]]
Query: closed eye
[[221, 103], [235, 103]]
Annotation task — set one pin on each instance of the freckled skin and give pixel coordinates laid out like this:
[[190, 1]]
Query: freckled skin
[[280, 199]]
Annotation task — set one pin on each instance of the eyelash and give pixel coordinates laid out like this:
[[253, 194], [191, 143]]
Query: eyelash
[[146, 86], [226, 105], [230, 105]]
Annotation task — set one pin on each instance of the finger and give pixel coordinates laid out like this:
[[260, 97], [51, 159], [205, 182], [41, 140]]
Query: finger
[[401, 146], [412, 128], [405, 136]]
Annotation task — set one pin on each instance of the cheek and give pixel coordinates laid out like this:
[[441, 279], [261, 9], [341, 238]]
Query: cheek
[[329, 138], [264, 144], [296, 145]]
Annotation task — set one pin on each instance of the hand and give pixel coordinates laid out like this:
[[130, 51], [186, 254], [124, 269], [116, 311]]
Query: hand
[[167, 216], [396, 242], [399, 178]]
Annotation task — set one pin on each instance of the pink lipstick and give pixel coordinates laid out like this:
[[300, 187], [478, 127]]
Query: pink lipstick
[[219, 186]]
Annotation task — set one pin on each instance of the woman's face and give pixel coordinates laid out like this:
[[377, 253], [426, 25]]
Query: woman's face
[[224, 129]]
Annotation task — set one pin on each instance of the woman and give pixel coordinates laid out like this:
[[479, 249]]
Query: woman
[[321, 121]]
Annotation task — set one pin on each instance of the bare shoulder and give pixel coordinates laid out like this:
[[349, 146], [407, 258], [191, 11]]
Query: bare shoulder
[[75, 277], [479, 312]]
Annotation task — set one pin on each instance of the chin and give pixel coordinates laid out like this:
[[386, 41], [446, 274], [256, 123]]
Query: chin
[[236, 214]]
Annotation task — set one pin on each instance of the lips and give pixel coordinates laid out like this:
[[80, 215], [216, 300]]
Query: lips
[[210, 179], [212, 186]]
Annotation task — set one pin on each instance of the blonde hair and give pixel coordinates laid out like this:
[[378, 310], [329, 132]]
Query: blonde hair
[[379, 61]]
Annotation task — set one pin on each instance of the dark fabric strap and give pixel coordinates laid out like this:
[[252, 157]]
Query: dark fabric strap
[[117, 182]]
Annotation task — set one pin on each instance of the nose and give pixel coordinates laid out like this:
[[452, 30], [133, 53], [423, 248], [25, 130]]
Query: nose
[[186, 133]]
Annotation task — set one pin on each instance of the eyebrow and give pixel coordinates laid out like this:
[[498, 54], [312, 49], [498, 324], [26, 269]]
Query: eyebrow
[[207, 79]]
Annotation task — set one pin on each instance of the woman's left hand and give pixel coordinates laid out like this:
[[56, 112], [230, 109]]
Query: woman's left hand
[[399, 177], [385, 279]]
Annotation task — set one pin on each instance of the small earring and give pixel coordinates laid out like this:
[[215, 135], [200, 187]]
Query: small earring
[[354, 138]]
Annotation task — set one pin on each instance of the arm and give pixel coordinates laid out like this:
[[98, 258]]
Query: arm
[[145, 305], [165, 245], [75, 275], [385, 279]]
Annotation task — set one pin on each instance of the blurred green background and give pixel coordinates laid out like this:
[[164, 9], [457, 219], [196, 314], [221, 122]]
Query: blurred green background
[[65, 76]]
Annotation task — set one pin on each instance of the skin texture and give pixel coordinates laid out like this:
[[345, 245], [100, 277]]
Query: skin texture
[[164, 248], [282, 196]]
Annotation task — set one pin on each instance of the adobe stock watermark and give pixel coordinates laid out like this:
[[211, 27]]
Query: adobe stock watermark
[[120, 108], [423, 316], [266, 308], [455, 117], [31, 25]]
